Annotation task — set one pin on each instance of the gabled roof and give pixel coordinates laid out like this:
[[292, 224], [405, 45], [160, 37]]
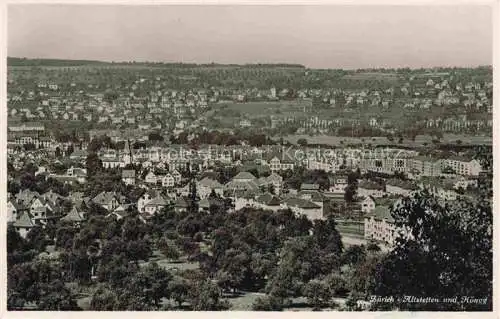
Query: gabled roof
[[244, 175], [158, 201], [51, 196], [73, 216], [24, 221], [26, 196], [307, 186], [315, 195], [181, 203], [381, 212], [14, 204], [210, 183], [268, 199], [238, 184], [204, 203], [104, 198], [128, 173]]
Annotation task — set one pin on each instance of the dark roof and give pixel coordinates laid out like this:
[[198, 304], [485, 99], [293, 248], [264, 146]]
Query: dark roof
[[181, 202], [301, 203], [104, 198], [381, 212], [244, 175], [158, 201], [268, 199], [73, 216], [402, 184]]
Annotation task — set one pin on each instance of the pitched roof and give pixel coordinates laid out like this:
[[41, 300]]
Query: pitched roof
[[128, 173], [268, 199], [401, 184], [315, 195], [26, 196], [238, 184], [244, 175], [382, 212], [301, 203], [24, 221], [385, 201], [104, 198], [73, 216], [158, 201], [210, 183], [308, 186], [204, 203], [181, 202], [121, 210], [460, 158]]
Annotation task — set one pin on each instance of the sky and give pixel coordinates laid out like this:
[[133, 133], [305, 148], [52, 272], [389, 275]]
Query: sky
[[321, 36]]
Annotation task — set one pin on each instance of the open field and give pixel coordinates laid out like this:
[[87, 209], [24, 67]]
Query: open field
[[372, 76], [265, 109], [380, 140]]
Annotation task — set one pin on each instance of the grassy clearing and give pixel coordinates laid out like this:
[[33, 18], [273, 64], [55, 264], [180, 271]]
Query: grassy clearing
[[168, 264], [382, 140], [244, 301], [265, 109]]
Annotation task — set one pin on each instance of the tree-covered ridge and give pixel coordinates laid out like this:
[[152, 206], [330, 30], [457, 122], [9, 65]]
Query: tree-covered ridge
[[15, 61]]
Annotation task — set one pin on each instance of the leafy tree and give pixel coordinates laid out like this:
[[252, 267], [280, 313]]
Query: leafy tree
[[327, 237], [179, 290], [353, 255], [170, 251], [93, 165], [103, 299], [208, 297], [151, 283], [317, 293], [350, 193], [37, 238], [55, 296], [430, 262], [138, 250], [299, 263], [64, 237]]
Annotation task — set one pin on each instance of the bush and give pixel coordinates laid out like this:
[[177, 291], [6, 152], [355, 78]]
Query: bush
[[268, 303], [198, 237]]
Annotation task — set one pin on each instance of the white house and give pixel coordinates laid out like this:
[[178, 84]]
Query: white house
[[367, 205], [168, 181], [128, 177], [151, 178]]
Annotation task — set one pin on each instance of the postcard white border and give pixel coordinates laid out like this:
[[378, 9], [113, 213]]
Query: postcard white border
[[494, 4]]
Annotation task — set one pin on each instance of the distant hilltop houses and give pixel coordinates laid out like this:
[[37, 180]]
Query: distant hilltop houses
[[447, 100]]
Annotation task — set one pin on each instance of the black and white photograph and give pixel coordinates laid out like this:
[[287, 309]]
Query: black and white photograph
[[226, 157]]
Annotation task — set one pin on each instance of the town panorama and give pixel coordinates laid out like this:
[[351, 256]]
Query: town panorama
[[276, 187]]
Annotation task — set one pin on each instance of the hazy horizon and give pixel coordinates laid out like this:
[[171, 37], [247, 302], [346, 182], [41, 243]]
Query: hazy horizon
[[325, 36]]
